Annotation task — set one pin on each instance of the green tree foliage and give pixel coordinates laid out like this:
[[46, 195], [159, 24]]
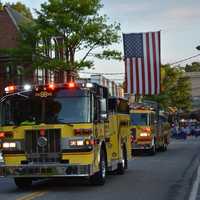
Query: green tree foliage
[[1, 6], [23, 9], [175, 89], [180, 94], [194, 67], [75, 31], [66, 35]]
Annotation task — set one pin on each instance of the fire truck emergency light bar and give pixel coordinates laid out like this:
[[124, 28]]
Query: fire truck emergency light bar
[[141, 106], [51, 86]]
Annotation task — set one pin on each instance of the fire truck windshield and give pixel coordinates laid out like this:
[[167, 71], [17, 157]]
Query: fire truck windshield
[[62, 106], [139, 119]]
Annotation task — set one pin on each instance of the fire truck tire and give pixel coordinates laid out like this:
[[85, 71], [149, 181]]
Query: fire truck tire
[[99, 178], [165, 147], [23, 183], [153, 150], [122, 166]]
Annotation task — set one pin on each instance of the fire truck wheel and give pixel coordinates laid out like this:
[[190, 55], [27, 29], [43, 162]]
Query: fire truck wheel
[[23, 183], [124, 163], [164, 147], [153, 150], [99, 178]]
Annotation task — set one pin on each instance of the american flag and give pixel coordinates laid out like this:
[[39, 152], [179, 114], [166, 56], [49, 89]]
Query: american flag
[[142, 63]]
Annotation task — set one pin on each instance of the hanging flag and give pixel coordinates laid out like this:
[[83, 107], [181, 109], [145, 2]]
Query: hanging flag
[[142, 63]]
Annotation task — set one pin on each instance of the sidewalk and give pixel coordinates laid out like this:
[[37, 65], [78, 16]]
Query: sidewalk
[[195, 192], [198, 193]]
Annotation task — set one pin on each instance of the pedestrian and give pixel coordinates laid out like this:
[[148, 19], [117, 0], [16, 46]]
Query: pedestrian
[[183, 132]]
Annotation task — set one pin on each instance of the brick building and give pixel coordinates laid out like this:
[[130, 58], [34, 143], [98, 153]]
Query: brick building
[[9, 33], [10, 21]]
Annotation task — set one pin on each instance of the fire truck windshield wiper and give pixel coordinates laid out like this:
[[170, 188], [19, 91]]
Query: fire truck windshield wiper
[[67, 123], [13, 94]]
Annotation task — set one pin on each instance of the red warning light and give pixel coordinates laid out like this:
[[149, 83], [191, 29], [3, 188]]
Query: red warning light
[[71, 85], [51, 86], [10, 88], [42, 132], [2, 135]]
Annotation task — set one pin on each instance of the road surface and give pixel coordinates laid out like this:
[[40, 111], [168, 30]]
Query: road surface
[[165, 176]]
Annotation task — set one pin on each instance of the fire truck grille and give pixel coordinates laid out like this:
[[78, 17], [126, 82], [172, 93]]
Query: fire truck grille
[[45, 147]]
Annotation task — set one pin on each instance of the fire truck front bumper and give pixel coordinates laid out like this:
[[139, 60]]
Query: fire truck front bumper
[[145, 146], [46, 170]]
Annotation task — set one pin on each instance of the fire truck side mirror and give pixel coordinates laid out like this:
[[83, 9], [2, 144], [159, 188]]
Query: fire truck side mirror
[[103, 109], [104, 116]]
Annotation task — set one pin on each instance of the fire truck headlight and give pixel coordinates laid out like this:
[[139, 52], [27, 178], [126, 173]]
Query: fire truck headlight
[[7, 145], [80, 142], [27, 87], [72, 142], [14, 145], [89, 85], [144, 134], [76, 143]]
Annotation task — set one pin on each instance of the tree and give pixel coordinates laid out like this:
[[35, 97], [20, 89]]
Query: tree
[[74, 31], [23, 9], [175, 89], [180, 94], [1, 6], [194, 67]]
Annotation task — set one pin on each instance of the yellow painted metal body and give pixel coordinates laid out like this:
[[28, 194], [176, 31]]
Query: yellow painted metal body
[[147, 135], [119, 134], [114, 133]]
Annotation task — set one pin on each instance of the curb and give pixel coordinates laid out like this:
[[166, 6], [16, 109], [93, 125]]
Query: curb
[[195, 186]]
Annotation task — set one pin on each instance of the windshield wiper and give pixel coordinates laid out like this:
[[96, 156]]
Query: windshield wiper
[[57, 122], [10, 95], [65, 123]]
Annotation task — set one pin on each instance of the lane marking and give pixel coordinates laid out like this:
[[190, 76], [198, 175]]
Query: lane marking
[[37, 195], [195, 187], [27, 196], [32, 195]]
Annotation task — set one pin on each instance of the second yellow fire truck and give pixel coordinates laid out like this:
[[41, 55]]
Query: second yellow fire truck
[[63, 130], [150, 130]]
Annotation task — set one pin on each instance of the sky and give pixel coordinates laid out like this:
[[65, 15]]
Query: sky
[[178, 20]]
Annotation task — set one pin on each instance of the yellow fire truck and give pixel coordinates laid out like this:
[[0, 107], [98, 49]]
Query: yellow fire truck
[[149, 130], [63, 130]]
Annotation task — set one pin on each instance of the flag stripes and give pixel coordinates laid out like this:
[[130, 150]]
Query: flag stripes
[[142, 72]]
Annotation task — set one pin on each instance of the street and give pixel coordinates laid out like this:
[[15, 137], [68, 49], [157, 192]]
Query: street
[[83, 82], [165, 176]]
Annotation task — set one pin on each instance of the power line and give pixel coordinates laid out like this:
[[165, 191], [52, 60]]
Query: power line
[[177, 62], [185, 59], [95, 73]]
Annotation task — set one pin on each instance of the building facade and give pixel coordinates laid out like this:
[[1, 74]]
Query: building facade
[[195, 83], [10, 73]]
